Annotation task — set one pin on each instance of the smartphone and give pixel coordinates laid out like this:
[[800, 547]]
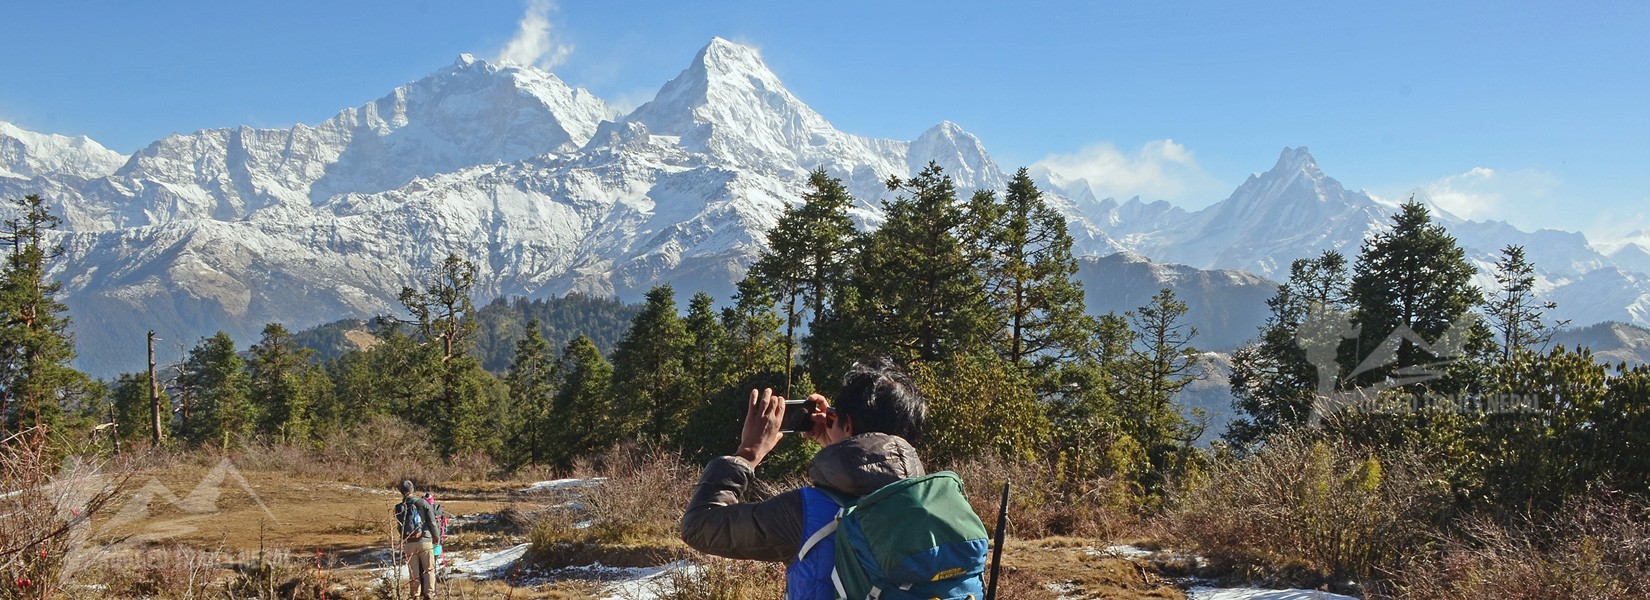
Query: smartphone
[[798, 417]]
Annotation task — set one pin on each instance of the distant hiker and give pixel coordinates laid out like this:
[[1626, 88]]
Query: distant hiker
[[419, 535], [870, 491], [440, 522]]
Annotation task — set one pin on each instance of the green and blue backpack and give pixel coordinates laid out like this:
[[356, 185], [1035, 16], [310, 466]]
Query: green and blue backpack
[[914, 539]]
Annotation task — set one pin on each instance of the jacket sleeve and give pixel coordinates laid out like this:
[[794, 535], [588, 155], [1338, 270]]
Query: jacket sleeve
[[717, 523]]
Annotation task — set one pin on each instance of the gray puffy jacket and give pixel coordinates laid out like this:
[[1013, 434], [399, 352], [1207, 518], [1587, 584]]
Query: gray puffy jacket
[[717, 523]]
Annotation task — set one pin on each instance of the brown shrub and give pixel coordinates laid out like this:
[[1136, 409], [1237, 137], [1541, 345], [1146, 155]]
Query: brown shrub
[[47, 507], [1308, 512], [632, 515], [161, 572], [383, 449], [1039, 506], [723, 579], [1597, 548]]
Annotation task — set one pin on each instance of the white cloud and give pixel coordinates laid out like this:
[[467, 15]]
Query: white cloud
[[1484, 192], [532, 44], [1619, 225], [1159, 170]]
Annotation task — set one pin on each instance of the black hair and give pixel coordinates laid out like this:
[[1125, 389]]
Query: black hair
[[879, 397]]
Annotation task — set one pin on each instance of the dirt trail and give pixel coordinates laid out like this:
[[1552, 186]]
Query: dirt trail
[[230, 510], [348, 525]]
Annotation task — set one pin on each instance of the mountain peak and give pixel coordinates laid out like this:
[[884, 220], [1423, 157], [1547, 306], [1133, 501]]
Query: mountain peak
[[1295, 159], [960, 153], [723, 51], [729, 104], [25, 153]]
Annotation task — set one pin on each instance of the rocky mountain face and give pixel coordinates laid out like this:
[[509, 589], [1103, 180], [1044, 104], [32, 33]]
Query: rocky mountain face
[[1611, 342], [549, 190]]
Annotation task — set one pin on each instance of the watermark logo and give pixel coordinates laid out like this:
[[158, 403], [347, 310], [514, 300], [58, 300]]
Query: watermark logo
[[78, 488], [1321, 335]]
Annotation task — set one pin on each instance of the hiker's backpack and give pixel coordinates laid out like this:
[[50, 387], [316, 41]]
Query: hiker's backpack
[[914, 539], [412, 519]]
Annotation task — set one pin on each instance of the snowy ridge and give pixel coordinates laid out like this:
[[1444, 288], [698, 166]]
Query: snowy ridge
[[548, 191], [1633, 252], [470, 113], [1295, 211], [729, 106], [1291, 211], [25, 154]]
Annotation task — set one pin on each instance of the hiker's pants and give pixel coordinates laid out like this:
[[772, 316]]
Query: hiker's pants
[[421, 568]]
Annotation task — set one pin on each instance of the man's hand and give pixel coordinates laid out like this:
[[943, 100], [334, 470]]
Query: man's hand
[[823, 416], [763, 416]]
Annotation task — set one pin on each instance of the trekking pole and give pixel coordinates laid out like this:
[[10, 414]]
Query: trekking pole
[[997, 544]]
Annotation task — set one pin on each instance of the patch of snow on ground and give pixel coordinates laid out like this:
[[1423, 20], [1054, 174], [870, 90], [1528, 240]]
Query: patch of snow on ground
[[1209, 593], [356, 488], [561, 484], [1126, 551], [1061, 589], [1136, 553], [486, 566], [641, 583]]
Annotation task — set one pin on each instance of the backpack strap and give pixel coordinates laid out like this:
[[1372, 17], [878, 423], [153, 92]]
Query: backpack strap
[[819, 536]]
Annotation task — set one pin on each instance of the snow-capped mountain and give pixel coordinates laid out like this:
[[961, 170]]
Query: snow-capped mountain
[[469, 113], [547, 190], [1634, 252], [539, 184], [25, 154], [1291, 211], [1295, 211]]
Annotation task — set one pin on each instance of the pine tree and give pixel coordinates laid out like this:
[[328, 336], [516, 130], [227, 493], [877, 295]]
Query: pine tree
[[1165, 357], [1029, 273], [702, 364], [920, 293], [130, 399], [988, 407], [584, 404], [810, 250], [1277, 378], [532, 380], [647, 368], [220, 392], [1515, 313], [35, 345], [398, 376], [464, 416], [753, 343], [285, 385], [1414, 279], [1162, 363]]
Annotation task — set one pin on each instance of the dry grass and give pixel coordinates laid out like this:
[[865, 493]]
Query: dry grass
[[46, 511], [1596, 548], [628, 519], [1309, 513], [1039, 571], [1040, 506], [721, 579]]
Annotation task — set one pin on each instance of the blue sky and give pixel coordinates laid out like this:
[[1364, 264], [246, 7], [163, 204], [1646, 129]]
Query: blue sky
[[1534, 113]]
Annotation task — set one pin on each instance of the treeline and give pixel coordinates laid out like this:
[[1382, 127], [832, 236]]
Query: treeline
[[1393, 349], [1399, 351], [502, 323]]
